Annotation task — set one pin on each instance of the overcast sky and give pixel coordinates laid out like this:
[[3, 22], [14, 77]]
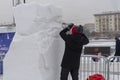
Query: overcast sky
[[77, 11]]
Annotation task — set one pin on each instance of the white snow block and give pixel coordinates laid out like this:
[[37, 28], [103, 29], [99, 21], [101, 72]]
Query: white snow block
[[37, 49], [30, 17]]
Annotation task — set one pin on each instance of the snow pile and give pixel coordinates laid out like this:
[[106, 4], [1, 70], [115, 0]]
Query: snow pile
[[35, 15], [37, 49]]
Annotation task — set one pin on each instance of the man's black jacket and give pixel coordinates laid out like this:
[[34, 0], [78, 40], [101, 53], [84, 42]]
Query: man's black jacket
[[73, 48]]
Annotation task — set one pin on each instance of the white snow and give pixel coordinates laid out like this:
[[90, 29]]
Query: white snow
[[7, 29], [37, 49], [105, 42]]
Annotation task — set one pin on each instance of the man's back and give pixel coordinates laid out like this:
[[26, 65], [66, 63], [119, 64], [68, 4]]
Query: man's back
[[73, 48]]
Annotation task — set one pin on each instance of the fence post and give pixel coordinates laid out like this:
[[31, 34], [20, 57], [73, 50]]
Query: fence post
[[108, 69]]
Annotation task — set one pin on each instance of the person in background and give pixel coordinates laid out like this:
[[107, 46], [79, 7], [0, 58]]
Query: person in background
[[97, 56], [74, 40], [117, 50]]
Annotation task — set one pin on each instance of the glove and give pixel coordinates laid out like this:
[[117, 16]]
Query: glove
[[70, 26]]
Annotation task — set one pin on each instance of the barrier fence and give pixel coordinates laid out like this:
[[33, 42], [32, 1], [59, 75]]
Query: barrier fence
[[6, 37], [90, 65], [114, 68]]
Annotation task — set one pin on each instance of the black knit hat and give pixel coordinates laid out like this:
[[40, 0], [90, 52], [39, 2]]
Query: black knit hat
[[79, 29]]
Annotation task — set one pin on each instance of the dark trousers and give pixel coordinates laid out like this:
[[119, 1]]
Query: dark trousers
[[65, 72]]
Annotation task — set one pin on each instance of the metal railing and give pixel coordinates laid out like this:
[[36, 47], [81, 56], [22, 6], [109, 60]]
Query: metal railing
[[90, 65], [114, 68]]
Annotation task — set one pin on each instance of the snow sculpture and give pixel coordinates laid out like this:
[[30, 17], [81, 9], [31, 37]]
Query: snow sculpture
[[37, 49]]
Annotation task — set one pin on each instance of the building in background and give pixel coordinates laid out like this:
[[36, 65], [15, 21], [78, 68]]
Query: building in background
[[107, 22], [90, 27]]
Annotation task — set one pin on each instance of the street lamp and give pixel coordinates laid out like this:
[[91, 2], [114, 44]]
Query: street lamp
[[13, 3], [24, 1], [17, 2]]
